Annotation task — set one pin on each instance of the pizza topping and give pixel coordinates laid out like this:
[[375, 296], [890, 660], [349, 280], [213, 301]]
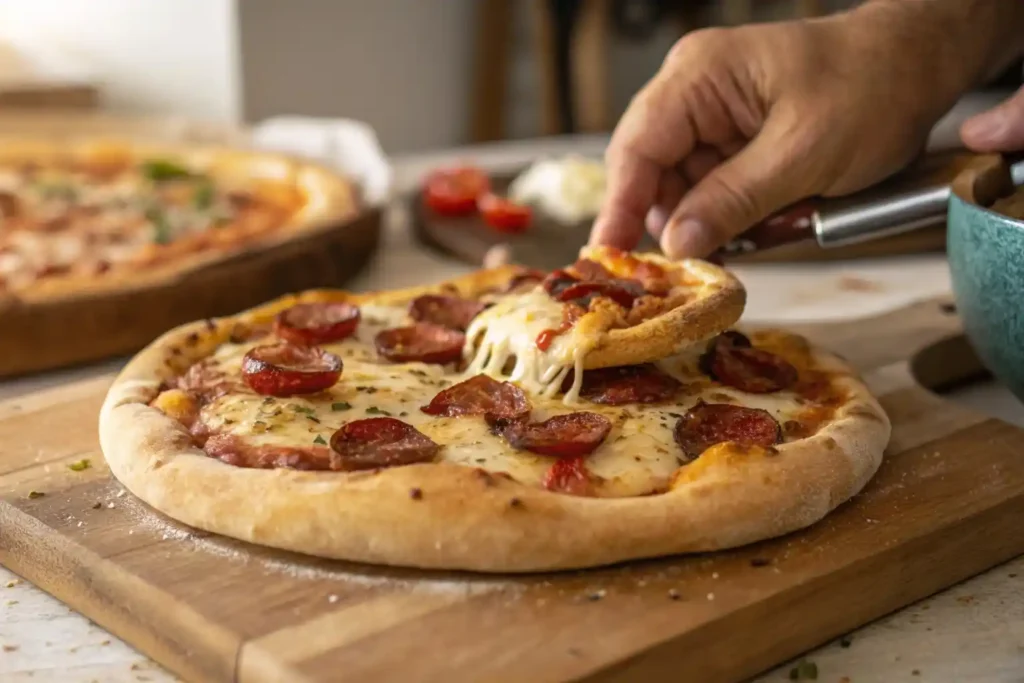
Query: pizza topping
[[707, 424], [504, 215], [570, 314], [159, 170], [732, 360], [379, 442], [422, 342], [622, 292], [480, 395], [232, 450], [448, 311], [588, 269], [455, 191], [529, 277], [569, 475], [562, 436], [286, 370], [626, 384], [557, 281], [317, 323]]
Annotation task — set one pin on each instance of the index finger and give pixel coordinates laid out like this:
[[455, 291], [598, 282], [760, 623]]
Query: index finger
[[651, 137]]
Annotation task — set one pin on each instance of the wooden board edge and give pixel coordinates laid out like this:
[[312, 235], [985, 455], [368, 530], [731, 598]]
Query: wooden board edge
[[97, 587]]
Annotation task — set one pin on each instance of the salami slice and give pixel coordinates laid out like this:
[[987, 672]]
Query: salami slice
[[480, 395], [286, 370], [317, 323], [448, 311], [232, 450], [732, 360], [626, 384], [379, 442], [423, 342], [562, 436], [622, 292], [707, 424], [569, 475]]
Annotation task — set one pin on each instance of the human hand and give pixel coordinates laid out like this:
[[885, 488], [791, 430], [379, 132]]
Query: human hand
[[1000, 129], [739, 123]]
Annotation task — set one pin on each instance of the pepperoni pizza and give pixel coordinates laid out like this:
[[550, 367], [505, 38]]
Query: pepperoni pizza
[[509, 421], [83, 216]]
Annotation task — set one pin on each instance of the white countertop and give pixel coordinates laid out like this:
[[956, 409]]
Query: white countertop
[[972, 632]]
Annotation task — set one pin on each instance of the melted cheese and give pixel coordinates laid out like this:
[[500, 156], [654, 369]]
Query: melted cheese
[[638, 457], [508, 332]]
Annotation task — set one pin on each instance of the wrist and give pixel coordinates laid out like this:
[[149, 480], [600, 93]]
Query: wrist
[[941, 48]]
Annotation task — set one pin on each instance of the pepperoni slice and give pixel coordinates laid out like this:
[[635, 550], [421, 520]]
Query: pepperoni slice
[[556, 282], [527, 277], [318, 323], [562, 436], [626, 384], [707, 424], [232, 450], [622, 292], [379, 442], [731, 360], [448, 311], [569, 475], [480, 395], [423, 342], [587, 269], [286, 370]]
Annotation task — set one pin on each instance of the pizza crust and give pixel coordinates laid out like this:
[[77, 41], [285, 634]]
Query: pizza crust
[[463, 518], [331, 200]]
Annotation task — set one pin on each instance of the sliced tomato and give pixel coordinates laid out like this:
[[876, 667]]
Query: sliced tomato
[[455, 191], [504, 215]]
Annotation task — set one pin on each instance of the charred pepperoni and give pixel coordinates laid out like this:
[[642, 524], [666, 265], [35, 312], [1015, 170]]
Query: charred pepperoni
[[232, 450], [731, 360], [379, 442], [626, 384], [423, 342], [448, 311], [480, 395], [569, 475], [707, 424], [319, 323], [557, 281], [622, 292], [562, 436], [287, 370]]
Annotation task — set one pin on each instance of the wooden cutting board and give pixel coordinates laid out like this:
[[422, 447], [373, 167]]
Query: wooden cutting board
[[946, 505], [549, 244]]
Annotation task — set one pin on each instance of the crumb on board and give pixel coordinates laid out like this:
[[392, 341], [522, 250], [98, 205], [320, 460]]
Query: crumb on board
[[10, 648], [13, 582], [711, 596], [673, 594], [854, 283], [332, 598]]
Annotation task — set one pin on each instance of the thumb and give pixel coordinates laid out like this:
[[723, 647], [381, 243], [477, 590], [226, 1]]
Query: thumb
[[1000, 129], [762, 178]]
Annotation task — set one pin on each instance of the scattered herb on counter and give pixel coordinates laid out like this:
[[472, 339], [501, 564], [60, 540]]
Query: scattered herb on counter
[[804, 671], [80, 465], [159, 170], [35, 494], [760, 562], [320, 440], [97, 505], [341, 405], [846, 641]]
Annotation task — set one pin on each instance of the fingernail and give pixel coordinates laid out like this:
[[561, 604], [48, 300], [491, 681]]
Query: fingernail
[[687, 239], [657, 217], [984, 128]]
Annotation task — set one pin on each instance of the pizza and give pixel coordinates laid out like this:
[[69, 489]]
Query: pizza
[[87, 216], [507, 421]]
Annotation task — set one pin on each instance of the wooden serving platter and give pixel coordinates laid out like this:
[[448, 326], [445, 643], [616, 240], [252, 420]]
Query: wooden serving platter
[[549, 244], [945, 505]]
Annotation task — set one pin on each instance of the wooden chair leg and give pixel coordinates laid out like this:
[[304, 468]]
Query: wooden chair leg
[[488, 97], [590, 74]]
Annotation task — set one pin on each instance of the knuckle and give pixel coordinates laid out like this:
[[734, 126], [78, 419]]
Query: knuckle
[[704, 44]]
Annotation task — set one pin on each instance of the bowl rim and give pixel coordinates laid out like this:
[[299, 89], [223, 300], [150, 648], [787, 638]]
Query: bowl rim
[[988, 173], [1015, 222]]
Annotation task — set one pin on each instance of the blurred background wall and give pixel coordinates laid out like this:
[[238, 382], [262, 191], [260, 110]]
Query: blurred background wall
[[415, 69]]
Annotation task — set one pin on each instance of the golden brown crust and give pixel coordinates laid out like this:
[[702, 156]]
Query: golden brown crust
[[329, 200], [463, 519]]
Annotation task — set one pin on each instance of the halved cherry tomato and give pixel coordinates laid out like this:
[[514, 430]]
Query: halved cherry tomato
[[454, 191], [504, 215]]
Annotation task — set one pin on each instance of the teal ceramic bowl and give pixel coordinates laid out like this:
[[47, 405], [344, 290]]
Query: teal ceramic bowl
[[986, 261]]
